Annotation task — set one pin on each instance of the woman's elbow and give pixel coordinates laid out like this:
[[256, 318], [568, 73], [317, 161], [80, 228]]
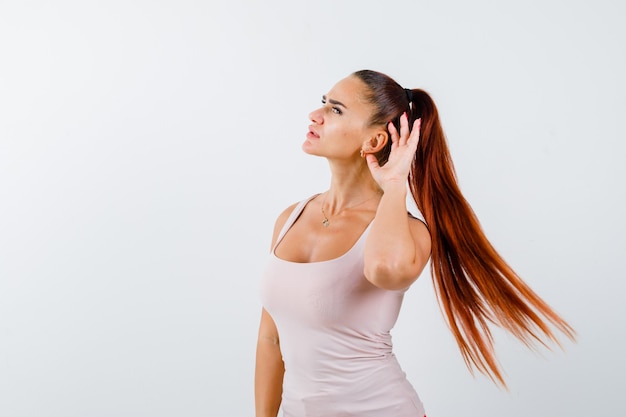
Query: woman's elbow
[[389, 275]]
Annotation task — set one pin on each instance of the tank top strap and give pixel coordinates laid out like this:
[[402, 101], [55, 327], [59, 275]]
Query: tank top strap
[[295, 213]]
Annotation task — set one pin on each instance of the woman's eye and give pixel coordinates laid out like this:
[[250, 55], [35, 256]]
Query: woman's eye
[[334, 109]]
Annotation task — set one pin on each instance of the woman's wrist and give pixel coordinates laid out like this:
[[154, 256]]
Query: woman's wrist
[[395, 187]]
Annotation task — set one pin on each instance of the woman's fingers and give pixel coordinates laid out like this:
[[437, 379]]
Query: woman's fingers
[[394, 135], [399, 139], [415, 134], [404, 129], [372, 162], [405, 136]]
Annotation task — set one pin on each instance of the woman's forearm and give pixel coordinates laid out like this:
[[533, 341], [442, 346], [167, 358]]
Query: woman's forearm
[[395, 251], [268, 378]]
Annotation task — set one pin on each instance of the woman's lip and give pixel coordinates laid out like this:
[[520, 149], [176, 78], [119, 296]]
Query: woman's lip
[[312, 133]]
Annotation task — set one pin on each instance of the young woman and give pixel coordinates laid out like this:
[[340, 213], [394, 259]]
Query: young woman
[[341, 261]]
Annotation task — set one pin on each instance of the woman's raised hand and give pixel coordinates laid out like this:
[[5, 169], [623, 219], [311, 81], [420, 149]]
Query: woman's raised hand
[[403, 147]]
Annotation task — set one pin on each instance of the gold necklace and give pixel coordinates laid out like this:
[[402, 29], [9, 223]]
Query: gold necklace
[[326, 222]]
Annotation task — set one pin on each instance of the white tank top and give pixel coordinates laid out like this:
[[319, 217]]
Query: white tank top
[[334, 329]]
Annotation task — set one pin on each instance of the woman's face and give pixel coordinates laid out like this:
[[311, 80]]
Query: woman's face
[[339, 128]]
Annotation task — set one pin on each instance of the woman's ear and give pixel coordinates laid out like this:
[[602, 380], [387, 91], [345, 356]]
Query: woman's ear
[[375, 143]]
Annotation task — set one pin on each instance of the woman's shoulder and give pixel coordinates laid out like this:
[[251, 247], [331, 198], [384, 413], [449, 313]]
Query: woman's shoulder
[[285, 214]]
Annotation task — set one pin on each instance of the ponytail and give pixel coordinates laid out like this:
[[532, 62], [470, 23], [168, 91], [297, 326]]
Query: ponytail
[[474, 285]]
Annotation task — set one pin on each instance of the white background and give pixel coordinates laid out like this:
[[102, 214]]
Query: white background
[[146, 148]]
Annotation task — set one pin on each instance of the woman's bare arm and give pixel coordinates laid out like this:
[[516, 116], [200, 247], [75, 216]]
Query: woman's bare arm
[[270, 369], [268, 378], [397, 246]]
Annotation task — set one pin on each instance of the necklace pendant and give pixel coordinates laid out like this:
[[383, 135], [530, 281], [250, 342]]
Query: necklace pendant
[[325, 222]]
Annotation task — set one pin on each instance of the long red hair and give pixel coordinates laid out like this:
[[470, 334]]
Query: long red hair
[[474, 285]]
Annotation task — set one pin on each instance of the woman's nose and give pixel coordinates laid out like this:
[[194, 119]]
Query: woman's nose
[[316, 116]]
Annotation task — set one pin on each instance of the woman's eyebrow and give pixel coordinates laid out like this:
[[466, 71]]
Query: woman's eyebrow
[[334, 102]]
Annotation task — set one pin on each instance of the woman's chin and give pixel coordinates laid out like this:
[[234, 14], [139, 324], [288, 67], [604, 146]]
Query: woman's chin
[[309, 148]]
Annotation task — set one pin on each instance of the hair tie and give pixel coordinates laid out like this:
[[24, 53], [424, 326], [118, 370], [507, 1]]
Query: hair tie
[[409, 94]]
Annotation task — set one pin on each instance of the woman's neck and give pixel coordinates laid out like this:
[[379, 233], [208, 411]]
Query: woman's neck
[[349, 185]]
